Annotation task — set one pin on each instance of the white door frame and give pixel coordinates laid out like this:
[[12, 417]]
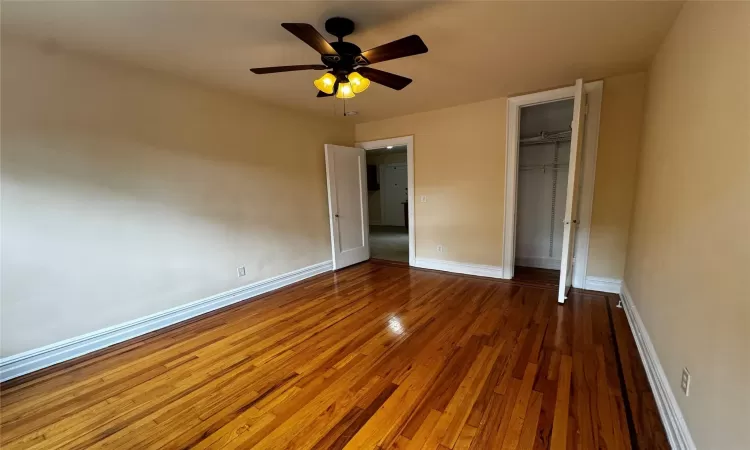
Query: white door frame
[[586, 197], [409, 142]]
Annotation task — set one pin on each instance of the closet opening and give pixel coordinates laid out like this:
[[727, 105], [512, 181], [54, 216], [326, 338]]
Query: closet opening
[[543, 158]]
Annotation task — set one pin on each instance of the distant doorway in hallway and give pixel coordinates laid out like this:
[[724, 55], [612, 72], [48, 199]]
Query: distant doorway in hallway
[[388, 202]]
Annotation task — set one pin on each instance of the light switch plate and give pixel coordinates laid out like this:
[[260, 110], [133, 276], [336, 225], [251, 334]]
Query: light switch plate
[[685, 382], [241, 271]]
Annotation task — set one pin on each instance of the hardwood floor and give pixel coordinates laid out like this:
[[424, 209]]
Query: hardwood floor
[[373, 356], [533, 275]]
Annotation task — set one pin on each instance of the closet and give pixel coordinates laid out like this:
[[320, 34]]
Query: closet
[[544, 153]]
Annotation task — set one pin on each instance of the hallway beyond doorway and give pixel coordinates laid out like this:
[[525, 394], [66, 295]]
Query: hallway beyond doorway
[[389, 243]]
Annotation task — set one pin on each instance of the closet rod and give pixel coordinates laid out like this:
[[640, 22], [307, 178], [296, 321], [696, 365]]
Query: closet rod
[[543, 167], [546, 137], [544, 142]]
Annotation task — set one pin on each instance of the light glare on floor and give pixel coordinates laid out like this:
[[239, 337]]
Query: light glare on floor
[[395, 325]]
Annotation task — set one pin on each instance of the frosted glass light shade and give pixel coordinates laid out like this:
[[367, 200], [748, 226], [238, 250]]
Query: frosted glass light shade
[[358, 82], [325, 83], [345, 91]]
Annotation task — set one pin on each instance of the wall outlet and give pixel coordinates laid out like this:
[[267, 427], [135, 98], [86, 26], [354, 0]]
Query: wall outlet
[[685, 383], [440, 249], [423, 198], [241, 271]]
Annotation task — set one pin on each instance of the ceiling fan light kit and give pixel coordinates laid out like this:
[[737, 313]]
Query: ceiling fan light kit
[[347, 68], [345, 91], [358, 82], [325, 83]]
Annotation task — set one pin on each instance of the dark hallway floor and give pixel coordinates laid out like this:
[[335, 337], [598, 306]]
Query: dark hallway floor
[[389, 243]]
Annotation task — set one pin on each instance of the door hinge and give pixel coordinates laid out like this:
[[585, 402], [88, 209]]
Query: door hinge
[[586, 109]]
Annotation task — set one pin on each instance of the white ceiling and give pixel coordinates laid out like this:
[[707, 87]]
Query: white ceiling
[[478, 50]]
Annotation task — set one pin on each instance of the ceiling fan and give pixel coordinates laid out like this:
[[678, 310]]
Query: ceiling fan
[[348, 72]]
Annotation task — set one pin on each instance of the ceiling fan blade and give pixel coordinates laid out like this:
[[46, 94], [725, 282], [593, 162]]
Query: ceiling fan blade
[[311, 37], [277, 69], [388, 79], [408, 46]]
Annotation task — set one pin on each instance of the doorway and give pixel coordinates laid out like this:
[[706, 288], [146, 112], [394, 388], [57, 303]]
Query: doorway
[[578, 181], [387, 197], [390, 199], [543, 165]]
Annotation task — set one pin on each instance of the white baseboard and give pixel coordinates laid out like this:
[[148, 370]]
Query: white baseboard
[[32, 360], [669, 410], [460, 267], [601, 284], [539, 262]]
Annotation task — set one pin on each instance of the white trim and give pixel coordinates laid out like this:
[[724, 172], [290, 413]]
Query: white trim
[[32, 360], [590, 149], [594, 91], [601, 284], [669, 410], [541, 262], [409, 142], [460, 267], [572, 189]]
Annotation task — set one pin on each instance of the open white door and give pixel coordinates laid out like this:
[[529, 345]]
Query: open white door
[[571, 201], [346, 172]]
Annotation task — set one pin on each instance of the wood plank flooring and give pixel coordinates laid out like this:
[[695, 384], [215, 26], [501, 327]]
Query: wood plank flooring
[[534, 275], [373, 356]]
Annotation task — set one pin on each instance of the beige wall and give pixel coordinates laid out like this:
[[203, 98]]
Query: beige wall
[[459, 163], [689, 254], [126, 192], [616, 157]]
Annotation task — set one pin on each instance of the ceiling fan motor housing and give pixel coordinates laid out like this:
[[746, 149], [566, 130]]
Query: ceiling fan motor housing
[[339, 27], [348, 53]]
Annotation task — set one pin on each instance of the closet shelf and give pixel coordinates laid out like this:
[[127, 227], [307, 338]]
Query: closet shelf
[[544, 167], [547, 137]]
